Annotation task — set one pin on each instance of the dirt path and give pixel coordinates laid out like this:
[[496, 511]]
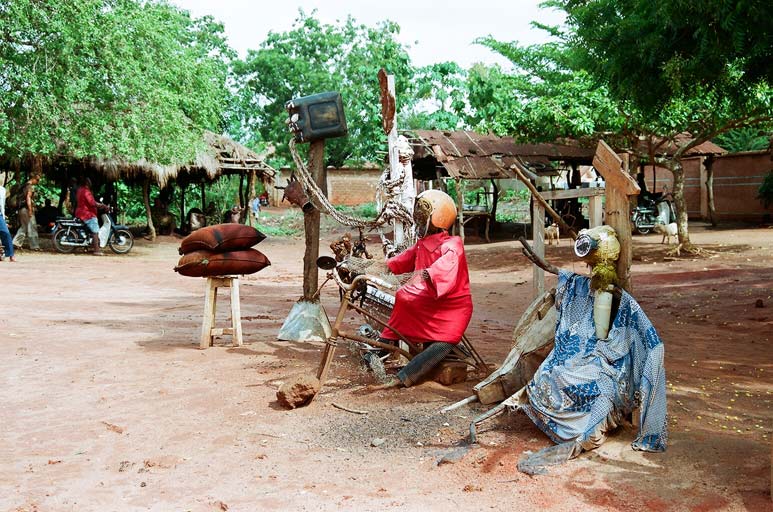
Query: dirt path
[[107, 403]]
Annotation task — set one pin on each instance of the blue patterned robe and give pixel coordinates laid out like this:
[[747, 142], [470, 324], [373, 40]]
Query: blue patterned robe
[[586, 385]]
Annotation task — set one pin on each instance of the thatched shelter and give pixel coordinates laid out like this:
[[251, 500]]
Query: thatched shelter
[[219, 156]]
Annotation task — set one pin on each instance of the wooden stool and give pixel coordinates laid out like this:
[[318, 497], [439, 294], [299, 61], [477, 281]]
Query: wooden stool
[[208, 330]]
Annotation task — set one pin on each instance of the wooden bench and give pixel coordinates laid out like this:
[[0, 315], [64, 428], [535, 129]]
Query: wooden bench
[[208, 329]]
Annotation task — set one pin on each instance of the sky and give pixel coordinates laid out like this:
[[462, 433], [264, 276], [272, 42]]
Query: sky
[[435, 31]]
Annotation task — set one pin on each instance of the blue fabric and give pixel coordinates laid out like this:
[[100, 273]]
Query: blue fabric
[[5, 237], [585, 382]]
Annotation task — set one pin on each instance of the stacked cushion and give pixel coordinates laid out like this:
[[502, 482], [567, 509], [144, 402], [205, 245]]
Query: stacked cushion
[[222, 249]]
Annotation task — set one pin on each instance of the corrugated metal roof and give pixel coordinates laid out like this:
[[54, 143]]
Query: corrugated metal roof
[[470, 155]]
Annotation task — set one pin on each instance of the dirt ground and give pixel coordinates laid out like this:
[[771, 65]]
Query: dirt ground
[[106, 402]]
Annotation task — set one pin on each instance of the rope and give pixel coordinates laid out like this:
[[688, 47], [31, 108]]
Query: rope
[[392, 210]]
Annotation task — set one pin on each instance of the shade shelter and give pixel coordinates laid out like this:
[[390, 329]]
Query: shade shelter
[[472, 156]]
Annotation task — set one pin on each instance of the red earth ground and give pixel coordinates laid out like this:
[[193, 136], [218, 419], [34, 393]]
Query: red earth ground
[[108, 404]]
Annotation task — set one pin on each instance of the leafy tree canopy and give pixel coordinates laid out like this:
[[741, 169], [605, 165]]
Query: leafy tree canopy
[[314, 57], [109, 78]]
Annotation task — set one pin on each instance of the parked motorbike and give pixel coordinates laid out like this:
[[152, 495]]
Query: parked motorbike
[[69, 233], [652, 209]]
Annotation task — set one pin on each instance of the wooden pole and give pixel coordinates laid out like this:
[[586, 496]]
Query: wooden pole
[[538, 198], [460, 206], [407, 193], [146, 197], [311, 221], [538, 242]]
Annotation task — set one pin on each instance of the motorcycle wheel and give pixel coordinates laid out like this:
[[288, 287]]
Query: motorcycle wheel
[[60, 236], [641, 228], [121, 241]]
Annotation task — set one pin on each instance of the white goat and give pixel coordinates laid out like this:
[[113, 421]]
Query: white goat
[[551, 233], [667, 230]]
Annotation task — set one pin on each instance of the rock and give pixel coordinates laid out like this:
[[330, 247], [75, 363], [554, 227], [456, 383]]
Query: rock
[[297, 391], [759, 304], [377, 442], [450, 372]]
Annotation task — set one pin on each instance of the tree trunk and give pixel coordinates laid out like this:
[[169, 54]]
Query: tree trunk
[[680, 204], [710, 190], [311, 222], [146, 197]]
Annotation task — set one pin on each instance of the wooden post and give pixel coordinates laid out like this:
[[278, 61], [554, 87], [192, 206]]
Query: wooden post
[[146, 197], [460, 206], [538, 243], [311, 221], [595, 209], [407, 193], [620, 187]]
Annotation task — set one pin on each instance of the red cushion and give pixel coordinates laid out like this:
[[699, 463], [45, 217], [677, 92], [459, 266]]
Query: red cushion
[[209, 263], [221, 238]]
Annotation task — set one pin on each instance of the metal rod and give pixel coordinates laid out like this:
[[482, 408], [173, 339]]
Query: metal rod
[[483, 417], [468, 400]]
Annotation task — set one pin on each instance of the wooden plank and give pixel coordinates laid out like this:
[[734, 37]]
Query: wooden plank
[[611, 168], [620, 187], [236, 314], [572, 193], [595, 211], [210, 297], [538, 244]]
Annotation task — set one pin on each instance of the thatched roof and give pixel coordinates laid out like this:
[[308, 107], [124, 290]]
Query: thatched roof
[[221, 156]]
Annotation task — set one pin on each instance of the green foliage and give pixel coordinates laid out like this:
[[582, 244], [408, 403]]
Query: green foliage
[[440, 91], [744, 139], [311, 58], [129, 79], [765, 193], [545, 97], [650, 52]]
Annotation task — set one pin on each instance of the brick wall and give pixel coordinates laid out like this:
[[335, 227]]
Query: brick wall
[[351, 187], [345, 187], [737, 179]]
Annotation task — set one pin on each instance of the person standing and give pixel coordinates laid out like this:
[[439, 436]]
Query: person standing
[[28, 225], [87, 212], [5, 234]]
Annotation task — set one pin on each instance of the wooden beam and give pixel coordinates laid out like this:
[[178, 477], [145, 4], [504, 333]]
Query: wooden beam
[[572, 193], [538, 243], [311, 222]]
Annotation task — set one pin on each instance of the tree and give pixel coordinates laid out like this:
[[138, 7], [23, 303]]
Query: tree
[[440, 95], [125, 79], [311, 58], [697, 67], [547, 95]]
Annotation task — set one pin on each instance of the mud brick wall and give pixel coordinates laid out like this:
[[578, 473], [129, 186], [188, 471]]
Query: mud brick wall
[[737, 179], [352, 187]]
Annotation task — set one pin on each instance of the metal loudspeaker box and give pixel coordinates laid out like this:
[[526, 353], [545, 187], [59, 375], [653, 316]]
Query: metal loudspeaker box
[[319, 116]]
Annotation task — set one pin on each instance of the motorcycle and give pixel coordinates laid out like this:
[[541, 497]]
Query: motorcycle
[[69, 233], [652, 209]]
